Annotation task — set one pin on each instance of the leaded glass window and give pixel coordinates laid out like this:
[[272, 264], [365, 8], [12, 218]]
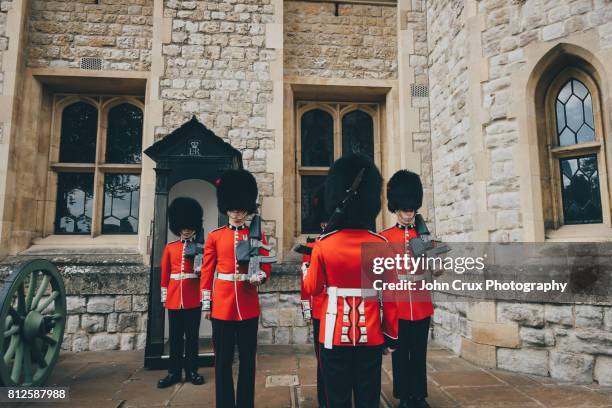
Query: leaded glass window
[[97, 196], [121, 201], [580, 190], [74, 203], [358, 133], [574, 109], [317, 138], [575, 149], [326, 131], [78, 134], [124, 137]]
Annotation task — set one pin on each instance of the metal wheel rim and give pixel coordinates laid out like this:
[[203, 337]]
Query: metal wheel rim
[[32, 319]]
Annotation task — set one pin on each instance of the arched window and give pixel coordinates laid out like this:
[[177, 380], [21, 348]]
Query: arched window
[[576, 149], [78, 133], [97, 196], [327, 131], [358, 133], [124, 134]]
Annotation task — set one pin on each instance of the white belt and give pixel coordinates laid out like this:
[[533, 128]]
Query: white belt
[[233, 276], [332, 308], [183, 275], [411, 277]]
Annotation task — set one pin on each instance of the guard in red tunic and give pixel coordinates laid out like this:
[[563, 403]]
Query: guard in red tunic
[[353, 330], [404, 198], [180, 291], [312, 305], [230, 295]]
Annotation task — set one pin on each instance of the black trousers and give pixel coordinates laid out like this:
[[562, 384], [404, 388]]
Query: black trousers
[[409, 360], [321, 397], [352, 372], [226, 334], [184, 327]]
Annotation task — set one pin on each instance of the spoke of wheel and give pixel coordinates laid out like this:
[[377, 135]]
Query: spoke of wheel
[[37, 355], [27, 364], [21, 306], [49, 340], [8, 321], [14, 329], [10, 351], [47, 301], [31, 289], [17, 365], [41, 291]]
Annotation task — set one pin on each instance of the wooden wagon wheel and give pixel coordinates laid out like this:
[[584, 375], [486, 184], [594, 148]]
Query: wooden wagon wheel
[[32, 320]]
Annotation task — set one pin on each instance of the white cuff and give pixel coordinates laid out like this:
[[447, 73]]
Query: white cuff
[[206, 300], [164, 294]]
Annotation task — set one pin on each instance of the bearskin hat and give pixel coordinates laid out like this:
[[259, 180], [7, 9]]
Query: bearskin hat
[[362, 211], [237, 190], [183, 213], [404, 191]]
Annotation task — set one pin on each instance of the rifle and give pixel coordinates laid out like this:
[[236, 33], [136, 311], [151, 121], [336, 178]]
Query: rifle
[[422, 245], [336, 218], [247, 251]]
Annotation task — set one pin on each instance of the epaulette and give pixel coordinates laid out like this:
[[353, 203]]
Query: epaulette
[[172, 242], [218, 228], [322, 237], [378, 235], [387, 229]]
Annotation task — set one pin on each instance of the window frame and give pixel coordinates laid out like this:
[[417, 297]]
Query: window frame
[[103, 103], [337, 110], [556, 152]]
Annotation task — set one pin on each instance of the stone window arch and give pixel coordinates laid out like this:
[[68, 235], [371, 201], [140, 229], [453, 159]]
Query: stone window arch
[[575, 192]]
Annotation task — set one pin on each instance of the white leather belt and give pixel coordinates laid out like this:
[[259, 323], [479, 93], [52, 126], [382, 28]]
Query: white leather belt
[[411, 277], [332, 308], [233, 276], [183, 275]]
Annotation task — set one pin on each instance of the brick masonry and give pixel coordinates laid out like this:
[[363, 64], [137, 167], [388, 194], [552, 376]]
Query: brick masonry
[[332, 40]]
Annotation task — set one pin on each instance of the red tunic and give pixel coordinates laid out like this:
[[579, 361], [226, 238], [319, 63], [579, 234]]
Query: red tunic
[[180, 293], [336, 262], [408, 308], [231, 300], [316, 302]]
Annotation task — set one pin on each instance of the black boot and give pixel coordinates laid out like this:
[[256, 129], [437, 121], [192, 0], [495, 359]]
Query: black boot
[[194, 378], [420, 403], [170, 379], [405, 403]]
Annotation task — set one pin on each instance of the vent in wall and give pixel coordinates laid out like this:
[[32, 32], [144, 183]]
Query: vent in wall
[[419, 91], [91, 63]]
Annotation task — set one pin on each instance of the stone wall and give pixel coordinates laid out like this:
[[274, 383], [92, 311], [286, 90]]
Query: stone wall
[[564, 341], [452, 166], [340, 40], [218, 68], [4, 40], [119, 32]]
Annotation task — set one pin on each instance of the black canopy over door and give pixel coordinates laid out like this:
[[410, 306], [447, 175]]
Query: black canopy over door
[[190, 152]]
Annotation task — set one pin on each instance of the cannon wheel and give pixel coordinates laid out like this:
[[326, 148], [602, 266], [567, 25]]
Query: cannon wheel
[[32, 319]]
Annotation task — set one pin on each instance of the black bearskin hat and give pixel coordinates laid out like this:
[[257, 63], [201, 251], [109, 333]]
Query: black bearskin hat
[[237, 190], [362, 211], [404, 191], [183, 213]]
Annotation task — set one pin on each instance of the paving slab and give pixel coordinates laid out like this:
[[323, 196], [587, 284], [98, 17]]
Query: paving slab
[[118, 380]]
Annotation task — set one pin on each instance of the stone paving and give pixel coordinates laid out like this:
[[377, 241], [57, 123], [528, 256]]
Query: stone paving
[[286, 378]]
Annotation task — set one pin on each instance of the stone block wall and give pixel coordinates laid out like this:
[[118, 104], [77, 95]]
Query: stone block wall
[[98, 323], [281, 319], [332, 40], [564, 341], [4, 40], [218, 67], [476, 48], [119, 32], [452, 165]]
